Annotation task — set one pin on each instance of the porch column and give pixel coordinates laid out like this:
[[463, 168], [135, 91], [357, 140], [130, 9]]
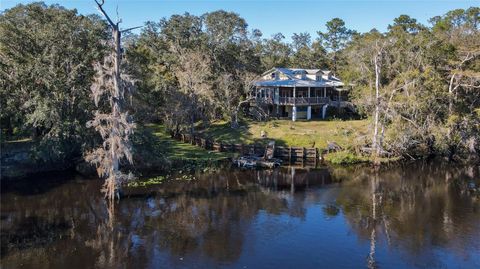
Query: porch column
[[325, 92], [294, 113], [294, 94], [309, 112], [276, 95], [309, 92], [278, 110]]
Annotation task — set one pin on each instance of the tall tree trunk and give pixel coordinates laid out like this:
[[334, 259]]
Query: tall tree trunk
[[115, 112], [375, 142], [450, 95], [451, 99], [115, 127]]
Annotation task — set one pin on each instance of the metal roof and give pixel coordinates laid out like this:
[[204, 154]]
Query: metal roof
[[294, 81], [297, 83]]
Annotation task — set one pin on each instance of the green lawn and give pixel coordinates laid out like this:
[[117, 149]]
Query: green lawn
[[174, 149], [348, 134], [288, 133]]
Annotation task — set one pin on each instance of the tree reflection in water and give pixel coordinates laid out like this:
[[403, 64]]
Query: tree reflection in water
[[414, 210], [417, 208]]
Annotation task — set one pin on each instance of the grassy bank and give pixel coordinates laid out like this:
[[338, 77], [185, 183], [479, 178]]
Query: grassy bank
[[348, 134], [176, 150], [187, 157], [163, 158], [288, 133], [172, 156]]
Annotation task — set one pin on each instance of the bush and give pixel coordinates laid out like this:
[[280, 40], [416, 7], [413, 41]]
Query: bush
[[344, 157]]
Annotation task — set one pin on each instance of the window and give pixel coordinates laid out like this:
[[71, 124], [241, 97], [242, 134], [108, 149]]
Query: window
[[273, 75]]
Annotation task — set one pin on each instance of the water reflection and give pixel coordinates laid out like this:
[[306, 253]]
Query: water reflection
[[420, 215], [417, 210]]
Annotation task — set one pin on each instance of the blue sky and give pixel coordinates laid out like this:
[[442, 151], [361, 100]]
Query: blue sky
[[286, 16]]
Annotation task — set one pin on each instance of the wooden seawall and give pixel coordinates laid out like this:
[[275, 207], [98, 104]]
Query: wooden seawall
[[291, 154]]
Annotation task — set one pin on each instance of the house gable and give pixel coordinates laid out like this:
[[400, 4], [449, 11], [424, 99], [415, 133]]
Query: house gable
[[289, 77]]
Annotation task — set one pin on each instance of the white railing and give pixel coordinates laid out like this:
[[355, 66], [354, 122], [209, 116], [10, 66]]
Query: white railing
[[303, 100]]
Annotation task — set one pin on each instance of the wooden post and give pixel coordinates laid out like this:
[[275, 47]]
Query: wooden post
[[290, 155]]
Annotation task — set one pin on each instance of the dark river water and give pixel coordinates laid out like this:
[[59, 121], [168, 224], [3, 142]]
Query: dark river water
[[411, 216]]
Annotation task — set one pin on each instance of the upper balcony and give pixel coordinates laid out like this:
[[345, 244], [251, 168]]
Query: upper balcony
[[298, 101], [303, 100]]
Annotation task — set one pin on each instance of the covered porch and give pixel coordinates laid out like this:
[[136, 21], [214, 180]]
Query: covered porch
[[299, 95], [299, 102]]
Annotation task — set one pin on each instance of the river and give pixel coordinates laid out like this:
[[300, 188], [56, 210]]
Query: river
[[416, 215]]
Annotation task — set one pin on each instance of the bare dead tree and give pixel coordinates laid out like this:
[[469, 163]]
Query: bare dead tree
[[377, 60], [193, 72], [116, 126]]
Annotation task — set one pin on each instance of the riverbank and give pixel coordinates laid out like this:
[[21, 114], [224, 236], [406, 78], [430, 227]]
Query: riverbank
[[177, 155], [18, 159], [155, 152], [345, 136], [314, 133]]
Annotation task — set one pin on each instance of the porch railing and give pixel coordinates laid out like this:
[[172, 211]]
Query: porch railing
[[303, 100], [298, 100]]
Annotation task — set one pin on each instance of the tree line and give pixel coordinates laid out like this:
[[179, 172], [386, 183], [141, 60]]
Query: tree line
[[419, 84]]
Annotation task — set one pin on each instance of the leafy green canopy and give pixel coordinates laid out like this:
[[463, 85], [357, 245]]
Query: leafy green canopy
[[192, 70], [46, 55], [430, 81]]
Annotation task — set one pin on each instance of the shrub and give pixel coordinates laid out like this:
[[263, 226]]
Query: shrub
[[344, 157]]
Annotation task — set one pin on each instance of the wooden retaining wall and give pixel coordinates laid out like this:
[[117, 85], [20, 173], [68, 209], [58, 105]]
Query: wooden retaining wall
[[291, 154]]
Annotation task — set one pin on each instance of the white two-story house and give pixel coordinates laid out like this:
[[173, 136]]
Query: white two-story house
[[299, 93]]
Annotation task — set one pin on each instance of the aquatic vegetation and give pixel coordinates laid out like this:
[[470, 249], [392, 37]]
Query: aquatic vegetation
[[161, 179], [147, 182]]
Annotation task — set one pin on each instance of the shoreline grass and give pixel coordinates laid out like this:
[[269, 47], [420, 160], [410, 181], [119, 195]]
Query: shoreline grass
[[314, 133], [177, 150]]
